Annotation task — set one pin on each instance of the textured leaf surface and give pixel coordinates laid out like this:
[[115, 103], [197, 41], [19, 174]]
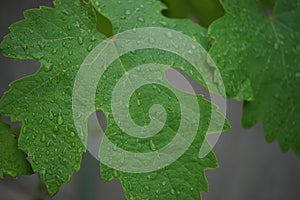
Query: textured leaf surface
[[183, 179], [260, 42], [13, 161], [59, 38]]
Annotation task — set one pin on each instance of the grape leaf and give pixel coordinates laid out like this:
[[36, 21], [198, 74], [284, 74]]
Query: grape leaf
[[59, 38], [259, 41], [13, 160], [183, 179]]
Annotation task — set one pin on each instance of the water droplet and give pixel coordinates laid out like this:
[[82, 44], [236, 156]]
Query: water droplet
[[191, 72], [104, 77], [163, 23], [172, 191], [127, 12], [64, 43], [90, 48], [152, 145], [55, 128], [176, 46], [54, 51], [276, 96], [41, 120], [33, 157], [79, 150], [60, 120], [51, 115], [43, 138], [37, 55], [115, 173], [24, 129], [151, 40], [48, 67], [65, 12], [141, 19], [24, 46], [169, 34], [80, 40], [41, 45], [163, 183]]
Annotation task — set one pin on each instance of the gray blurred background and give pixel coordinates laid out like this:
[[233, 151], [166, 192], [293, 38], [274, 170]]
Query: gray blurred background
[[249, 167]]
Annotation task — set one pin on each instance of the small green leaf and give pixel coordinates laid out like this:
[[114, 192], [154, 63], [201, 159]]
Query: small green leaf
[[13, 161]]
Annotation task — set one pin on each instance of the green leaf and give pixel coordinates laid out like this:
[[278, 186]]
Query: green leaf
[[131, 15], [59, 38], [183, 179], [258, 42], [13, 161]]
